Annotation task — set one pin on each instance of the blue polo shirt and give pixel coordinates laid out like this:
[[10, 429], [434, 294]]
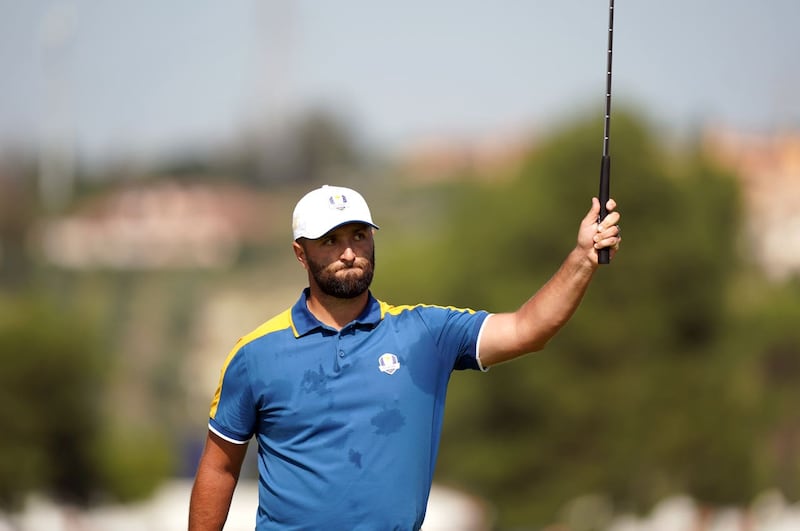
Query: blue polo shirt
[[347, 422]]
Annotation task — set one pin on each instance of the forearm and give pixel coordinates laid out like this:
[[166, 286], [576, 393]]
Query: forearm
[[211, 499], [509, 335], [548, 310]]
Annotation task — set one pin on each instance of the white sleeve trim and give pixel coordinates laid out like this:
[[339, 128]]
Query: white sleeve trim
[[222, 436], [478, 345]]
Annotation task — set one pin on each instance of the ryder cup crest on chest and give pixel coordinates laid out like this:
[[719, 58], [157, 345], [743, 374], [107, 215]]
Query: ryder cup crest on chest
[[326, 208], [388, 363]]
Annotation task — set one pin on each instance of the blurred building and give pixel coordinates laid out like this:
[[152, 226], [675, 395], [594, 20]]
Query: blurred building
[[438, 159], [160, 225], [769, 167]]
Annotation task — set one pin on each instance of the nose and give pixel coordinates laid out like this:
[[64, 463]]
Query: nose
[[348, 255]]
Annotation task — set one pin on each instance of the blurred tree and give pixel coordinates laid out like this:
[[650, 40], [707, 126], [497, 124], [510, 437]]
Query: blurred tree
[[766, 344], [648, 412], [62, 435], [18, 208], [325, 145], [708, 446], [313, 146], [132, 460], [50, 391]]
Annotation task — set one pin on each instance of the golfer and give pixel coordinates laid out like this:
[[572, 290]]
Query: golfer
[[344, 393]]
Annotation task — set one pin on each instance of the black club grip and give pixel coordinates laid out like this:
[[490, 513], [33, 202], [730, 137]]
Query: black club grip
[[604, 254]]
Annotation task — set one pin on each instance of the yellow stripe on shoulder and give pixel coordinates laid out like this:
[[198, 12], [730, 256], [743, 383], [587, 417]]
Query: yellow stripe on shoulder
[[282, 321], [391, 309]]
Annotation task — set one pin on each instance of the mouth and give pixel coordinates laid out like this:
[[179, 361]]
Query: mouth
[[357, 265], [349, 270]]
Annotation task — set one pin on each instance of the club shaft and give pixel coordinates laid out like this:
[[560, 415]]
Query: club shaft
[[609, 58], [604, 255]]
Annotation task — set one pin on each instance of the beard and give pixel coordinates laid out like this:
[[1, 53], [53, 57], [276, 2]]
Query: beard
[[349, 287]]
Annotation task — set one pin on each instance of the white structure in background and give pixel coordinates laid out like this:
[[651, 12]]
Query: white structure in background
[[159, 226], [769, 512], [769, 165], [448, 510]]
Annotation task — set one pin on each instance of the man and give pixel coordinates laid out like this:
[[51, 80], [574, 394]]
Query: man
[[345, 393]]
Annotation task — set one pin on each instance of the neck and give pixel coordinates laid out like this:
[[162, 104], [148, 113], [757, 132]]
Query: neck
[[333, 311]]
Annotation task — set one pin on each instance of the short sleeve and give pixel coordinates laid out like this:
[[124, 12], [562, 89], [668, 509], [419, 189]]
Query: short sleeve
[[233, 411], [457, 332]]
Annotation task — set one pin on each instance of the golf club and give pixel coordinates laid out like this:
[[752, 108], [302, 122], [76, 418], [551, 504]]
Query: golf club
[[604, 255]]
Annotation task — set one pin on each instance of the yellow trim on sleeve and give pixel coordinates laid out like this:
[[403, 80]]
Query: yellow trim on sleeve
[[387, 308], [281, 321]]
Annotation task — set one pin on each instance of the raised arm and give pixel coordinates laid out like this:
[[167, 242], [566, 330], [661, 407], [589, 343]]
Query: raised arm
[[509, 335], [217, 475]]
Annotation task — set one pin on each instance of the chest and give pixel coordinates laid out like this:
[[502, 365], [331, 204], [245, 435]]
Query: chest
[[377, 377]]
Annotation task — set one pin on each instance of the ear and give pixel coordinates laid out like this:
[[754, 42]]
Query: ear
[[300, 254]]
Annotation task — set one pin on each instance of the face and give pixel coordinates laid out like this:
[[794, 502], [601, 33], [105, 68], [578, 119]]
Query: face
[[342, 262]]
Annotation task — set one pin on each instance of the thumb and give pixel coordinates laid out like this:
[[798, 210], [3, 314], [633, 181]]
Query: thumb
[[594, 211]]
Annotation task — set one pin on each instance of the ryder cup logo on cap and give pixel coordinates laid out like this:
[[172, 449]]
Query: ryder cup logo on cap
[[339, 202], [324, 209]]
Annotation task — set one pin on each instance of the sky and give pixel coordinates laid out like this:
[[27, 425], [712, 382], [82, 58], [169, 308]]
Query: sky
[[145, 78]]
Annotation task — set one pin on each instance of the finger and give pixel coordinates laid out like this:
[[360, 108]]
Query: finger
[[611, 205], [610, 241], [611, 220], [594, 211], [612, 232]]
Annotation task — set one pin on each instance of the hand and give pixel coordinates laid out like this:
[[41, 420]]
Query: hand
[[593, 235]]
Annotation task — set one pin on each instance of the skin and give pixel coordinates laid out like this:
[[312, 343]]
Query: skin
[[217, 475], [345, 255], [509, 335]]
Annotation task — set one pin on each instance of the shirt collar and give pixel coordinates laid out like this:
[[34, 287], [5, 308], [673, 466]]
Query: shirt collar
[[304, 321]]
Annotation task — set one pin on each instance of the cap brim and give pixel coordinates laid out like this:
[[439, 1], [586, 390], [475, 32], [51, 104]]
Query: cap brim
[[316, 237]]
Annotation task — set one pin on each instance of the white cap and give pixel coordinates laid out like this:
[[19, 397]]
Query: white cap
[[325, 208]]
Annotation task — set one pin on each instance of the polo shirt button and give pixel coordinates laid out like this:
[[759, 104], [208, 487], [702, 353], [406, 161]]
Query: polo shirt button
[[341, 353]]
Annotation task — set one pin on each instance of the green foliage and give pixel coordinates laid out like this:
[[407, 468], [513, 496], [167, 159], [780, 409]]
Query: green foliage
[[133, 460], [50, 388], [61, 435], [765, 343]]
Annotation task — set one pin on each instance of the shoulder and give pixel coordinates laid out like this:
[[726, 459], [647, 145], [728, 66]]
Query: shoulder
[[431, 316], [270, 328], [421, 309]]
